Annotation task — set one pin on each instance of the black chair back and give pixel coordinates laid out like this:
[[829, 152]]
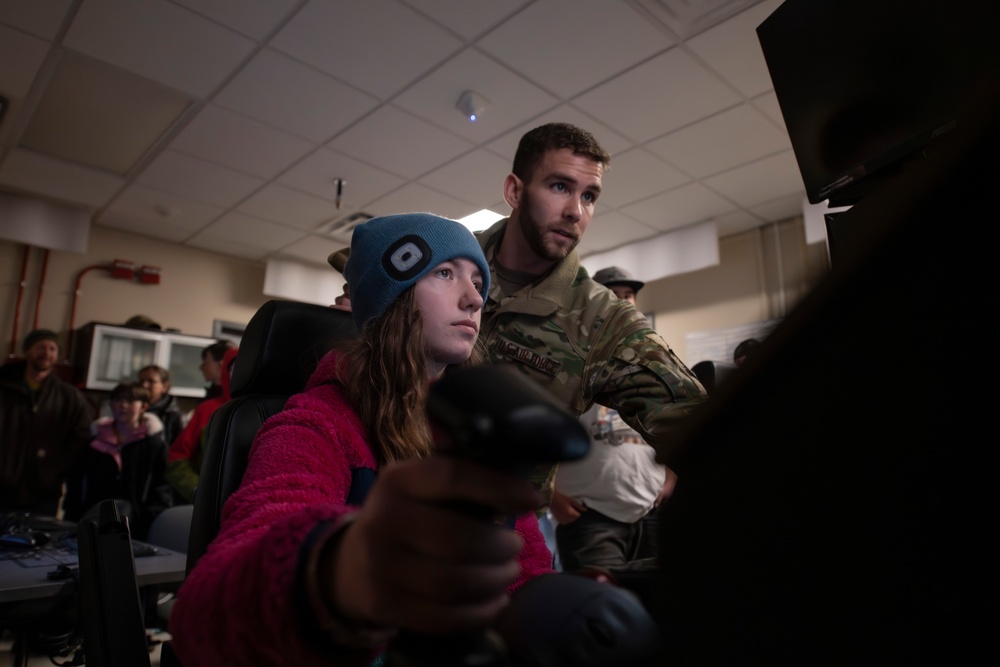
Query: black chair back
[[711, 374], [281, 346]]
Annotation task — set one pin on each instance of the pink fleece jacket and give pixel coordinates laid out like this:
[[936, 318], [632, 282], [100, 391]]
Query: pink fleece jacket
[[239, 605]]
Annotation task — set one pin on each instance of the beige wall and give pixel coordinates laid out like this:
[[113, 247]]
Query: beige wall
[[196, 287], [761, 275]]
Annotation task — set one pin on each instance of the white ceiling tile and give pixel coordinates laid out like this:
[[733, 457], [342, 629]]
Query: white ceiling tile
[[255, 19], [317, 175], [294, 97], [733, 50], [511, 98], [313, 249], [525, 42], [289, 207], [39, 17], [414, 198], [673, 90], [160, 41], [20, 57], [506, 145], [147, 207], [681, 207], [781, 208], [400, 142], [468, 19], [251, 231], [728, 139], [234, 247], [612, 229], [101, 116], [32, 172], [221, 136], [285, 100], [151, 228], [768, 104], [477, 178], [378, 46], [760, 181], [635, 175], [204, 181]]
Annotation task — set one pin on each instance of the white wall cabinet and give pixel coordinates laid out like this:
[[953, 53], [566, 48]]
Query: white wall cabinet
[[107, 354]]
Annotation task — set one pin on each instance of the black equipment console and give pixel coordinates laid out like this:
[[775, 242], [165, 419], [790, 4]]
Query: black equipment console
[[114, 631], [501, 420]]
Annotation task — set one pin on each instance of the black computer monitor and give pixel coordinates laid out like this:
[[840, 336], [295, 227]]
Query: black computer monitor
[[864, 86]]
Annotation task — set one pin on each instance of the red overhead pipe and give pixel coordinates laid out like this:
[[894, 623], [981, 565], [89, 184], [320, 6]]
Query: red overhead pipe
[[76, 295], [17, 306], [41, 285]]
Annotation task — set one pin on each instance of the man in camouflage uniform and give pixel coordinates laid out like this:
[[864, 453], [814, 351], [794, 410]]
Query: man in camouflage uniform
[[548, 319], [606, 504]]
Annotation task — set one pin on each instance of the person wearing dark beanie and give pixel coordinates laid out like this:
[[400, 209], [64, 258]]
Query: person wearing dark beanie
[[37, 336], [341, 533], [44, 425]]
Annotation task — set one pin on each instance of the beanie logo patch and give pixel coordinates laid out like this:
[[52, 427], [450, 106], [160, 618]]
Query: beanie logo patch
[[406, 258]]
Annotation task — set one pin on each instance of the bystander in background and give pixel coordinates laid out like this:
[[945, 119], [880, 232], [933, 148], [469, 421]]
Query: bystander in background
[[126, 461], [187, 451], [44, 425], [156, 381], [211, 367]]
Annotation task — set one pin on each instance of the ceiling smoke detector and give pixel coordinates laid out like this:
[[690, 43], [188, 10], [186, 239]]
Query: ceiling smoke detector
[[472, 105]]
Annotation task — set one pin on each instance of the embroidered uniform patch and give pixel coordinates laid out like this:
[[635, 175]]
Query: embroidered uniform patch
[[515, 352]]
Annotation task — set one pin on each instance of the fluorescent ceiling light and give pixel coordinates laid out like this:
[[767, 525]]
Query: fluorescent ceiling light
[[480, 220]]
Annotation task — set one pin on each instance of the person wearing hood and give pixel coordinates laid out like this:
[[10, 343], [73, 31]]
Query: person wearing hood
[[187, 451], [126, 461], [211, 367]]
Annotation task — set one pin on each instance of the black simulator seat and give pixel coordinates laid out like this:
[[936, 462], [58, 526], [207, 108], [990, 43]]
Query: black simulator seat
[[281, 346]]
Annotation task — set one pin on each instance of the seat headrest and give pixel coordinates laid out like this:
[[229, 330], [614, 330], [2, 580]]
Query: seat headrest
[[282, 344], [712, 373]]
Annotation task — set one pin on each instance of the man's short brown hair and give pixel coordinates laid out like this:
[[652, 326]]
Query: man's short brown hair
[[554, 136]]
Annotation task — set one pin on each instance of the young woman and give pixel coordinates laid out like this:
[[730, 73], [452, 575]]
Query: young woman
[[126, 461], [340, 535]]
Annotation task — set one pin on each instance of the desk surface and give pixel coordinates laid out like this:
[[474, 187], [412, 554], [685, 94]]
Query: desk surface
[[23, 574]]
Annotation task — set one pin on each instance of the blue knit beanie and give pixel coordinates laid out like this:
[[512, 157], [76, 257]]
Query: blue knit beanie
[[392, 252]]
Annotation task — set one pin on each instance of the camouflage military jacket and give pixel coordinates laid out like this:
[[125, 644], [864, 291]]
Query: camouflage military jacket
[[573, 337]]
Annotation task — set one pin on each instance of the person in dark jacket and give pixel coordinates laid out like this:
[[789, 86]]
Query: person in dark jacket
[[126, 460], [156, 380], [44, 425]]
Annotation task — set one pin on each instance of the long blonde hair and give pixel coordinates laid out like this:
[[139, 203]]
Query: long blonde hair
[[385, 378]]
